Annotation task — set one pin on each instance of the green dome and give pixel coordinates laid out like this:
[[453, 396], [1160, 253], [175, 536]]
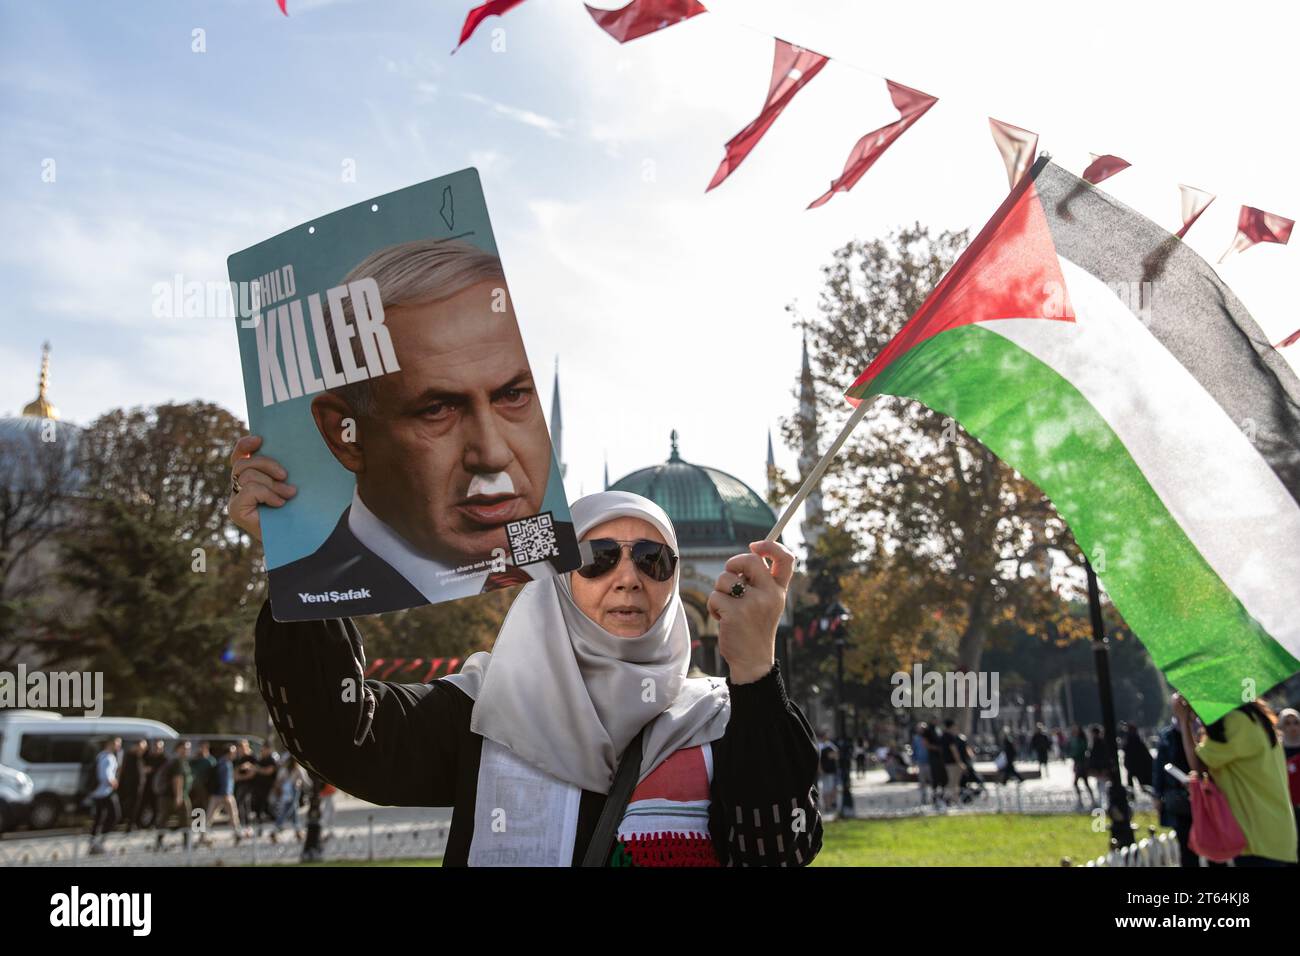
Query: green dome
[[709, 508]]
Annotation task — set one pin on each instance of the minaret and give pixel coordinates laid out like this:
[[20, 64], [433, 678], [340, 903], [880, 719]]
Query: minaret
[[771, 465], [41, 407], [557, 423], [813, 519]]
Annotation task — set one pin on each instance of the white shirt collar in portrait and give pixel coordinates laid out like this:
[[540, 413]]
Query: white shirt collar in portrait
[[423, 573]]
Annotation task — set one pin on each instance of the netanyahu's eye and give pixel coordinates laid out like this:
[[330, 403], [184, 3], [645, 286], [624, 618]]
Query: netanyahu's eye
[[438, 410], [514, 397]]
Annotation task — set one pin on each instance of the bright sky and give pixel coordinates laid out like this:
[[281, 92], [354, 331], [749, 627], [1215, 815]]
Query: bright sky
[[665, 305]]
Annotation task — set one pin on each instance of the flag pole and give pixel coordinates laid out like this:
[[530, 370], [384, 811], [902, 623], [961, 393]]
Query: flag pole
[[815, 475], [1121, 830]]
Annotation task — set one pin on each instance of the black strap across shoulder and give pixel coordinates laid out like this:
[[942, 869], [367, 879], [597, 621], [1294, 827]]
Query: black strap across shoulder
[[625, 778]]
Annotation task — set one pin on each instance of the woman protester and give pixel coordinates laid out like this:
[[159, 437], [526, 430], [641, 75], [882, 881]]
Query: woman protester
[[524, 742], [1242, 753]]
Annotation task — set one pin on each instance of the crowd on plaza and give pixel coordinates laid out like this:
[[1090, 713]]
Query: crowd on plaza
[[144, 786], [1251, 754]]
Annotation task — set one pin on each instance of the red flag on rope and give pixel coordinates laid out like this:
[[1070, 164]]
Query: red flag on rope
[[283, 4], [1017, 147], [1195, 201], [644, 16], [482, 12], [792, 68], [1256, 225], [433, 668], [1104, 167], [1291, 339], [911, 105]]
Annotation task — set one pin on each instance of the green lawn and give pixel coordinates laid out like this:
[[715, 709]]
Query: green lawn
[[986, 840], [992, 840]]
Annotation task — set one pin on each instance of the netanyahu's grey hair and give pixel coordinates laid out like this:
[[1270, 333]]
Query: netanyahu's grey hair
[[412, 273]]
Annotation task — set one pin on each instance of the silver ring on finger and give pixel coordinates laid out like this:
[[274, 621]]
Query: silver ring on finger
[[235, 486], [738, 589]]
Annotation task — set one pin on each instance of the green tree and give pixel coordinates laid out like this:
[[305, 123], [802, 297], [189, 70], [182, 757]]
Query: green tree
[[156, 627], [166, 586]]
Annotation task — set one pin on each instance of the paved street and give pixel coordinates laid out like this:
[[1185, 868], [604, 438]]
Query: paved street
[[360, 830], [875, 796]]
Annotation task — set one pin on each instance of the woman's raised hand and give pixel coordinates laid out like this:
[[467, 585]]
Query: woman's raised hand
[[260, 480], [747, 624]]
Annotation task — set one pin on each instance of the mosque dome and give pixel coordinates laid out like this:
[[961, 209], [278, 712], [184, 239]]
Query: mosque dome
[[36, 447], [709, 508]]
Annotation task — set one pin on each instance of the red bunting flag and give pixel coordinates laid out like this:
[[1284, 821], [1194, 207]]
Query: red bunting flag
[[1017, 147], [283, 6], [1291, 339], [644, 16], [911, 105], [1256, 225], [792, 68], [1195, 201], [1104, 167], [493, 8]]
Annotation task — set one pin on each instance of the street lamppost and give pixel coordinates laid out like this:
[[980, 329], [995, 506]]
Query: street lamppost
[[840, 615], [1121, 814]]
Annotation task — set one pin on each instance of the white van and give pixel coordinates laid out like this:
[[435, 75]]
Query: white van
[[15, 798], [53, 750]]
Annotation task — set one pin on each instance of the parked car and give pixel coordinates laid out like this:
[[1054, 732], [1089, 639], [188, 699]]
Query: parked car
[[16, 790], [54, 751]]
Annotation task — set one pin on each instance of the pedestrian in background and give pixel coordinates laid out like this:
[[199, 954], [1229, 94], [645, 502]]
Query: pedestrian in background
[[107, 809], [921, 757], [1242, 754], [1288, 722], [1173, 802], [1078, 754], [131, 782], [174, 798]]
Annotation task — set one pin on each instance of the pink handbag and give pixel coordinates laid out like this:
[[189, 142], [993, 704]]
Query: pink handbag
[[1215, 835]]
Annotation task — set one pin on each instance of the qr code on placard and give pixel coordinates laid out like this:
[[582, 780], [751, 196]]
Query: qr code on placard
[[532, 539]]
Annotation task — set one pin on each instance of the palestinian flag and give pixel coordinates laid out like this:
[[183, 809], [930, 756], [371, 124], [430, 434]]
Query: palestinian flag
[[1105, 361]]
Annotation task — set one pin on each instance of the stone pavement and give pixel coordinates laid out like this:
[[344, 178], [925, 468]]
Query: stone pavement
[[875, 796]]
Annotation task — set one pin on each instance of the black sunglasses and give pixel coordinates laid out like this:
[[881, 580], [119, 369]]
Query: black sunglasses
[[654, 559]]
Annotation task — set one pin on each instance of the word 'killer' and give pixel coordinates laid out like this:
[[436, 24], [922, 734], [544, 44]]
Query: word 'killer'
[[284, 350]]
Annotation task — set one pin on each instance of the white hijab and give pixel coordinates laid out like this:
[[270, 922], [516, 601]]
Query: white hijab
[[567, 696]]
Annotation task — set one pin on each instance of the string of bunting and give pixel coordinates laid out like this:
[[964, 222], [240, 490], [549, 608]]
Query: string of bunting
[[381, 668], [794, 67]]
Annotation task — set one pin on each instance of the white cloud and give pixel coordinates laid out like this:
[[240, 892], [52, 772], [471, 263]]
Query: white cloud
[[546, 124]]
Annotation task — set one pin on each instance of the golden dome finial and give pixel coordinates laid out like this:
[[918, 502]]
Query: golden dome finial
[[41, 407]]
